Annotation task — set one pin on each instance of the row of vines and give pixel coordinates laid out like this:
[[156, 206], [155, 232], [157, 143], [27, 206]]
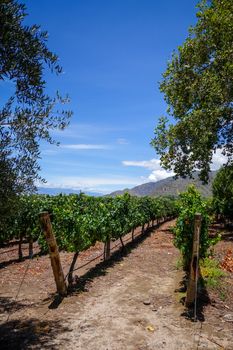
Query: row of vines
[[79, 221]]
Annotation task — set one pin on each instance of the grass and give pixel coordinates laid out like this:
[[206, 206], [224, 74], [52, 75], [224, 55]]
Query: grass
[[212, 276], [179, 264], [211, 272], [180, 296]]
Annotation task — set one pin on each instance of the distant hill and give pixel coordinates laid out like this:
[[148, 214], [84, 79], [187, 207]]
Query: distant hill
[[169, 187], [54, 191]]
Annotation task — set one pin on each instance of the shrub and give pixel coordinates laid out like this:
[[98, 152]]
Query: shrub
[[190, 203]]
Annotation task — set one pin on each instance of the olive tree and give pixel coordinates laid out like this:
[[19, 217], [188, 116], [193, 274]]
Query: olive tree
[[28, 114], [198, 88]]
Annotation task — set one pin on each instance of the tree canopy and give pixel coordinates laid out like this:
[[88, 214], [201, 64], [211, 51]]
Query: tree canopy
[[223, 192], [198, 88], [29, 113]]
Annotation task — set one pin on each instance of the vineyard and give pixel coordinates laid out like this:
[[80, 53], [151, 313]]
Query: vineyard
[[139, 268], [139, 272], [79, 221]]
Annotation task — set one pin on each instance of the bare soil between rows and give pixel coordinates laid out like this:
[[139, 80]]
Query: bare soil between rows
[[129, 302]]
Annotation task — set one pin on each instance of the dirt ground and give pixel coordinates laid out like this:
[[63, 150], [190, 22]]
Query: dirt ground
[[130, 302]]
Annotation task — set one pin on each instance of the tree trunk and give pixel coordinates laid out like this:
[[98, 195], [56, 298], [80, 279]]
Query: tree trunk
[[107, 249], [143, 226], [30, 248], [122, 243], [20, 252], [133, 234], [70, 274]]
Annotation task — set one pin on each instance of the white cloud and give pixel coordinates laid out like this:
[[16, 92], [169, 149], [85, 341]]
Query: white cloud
[[153, 164], [49, 152], [218, 160], [85, 131], [104, 184], [157, 175], [122, 141], [83, 146]]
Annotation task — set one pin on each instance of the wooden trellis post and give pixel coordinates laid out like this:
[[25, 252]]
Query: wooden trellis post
[[54, 253], [107, 249], [194, 268]]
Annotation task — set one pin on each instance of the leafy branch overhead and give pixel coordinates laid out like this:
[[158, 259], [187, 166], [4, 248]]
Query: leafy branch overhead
[[198, 88], [27, 112]]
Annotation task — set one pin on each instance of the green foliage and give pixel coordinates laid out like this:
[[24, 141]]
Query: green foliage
[[197, 85], [179, 264], [190, 203], [223, 193], [212, 275], [28, 115], [79, 221], [8, 198]]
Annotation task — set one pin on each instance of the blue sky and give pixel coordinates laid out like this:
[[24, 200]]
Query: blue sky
[[113, 54]]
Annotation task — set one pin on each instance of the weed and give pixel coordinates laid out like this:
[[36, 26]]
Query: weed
[[213, 276], [179, 263], [222, 295]]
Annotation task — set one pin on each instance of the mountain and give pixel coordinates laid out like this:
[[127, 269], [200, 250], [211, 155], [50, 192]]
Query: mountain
[[170, 187], [54, 191]]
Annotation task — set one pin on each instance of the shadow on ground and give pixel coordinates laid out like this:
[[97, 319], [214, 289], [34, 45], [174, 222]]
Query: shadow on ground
[[10, 305], [226, 230], [203, 300], [81, 284], [227, 236], [167, 231], [12, 261], [30, 333]]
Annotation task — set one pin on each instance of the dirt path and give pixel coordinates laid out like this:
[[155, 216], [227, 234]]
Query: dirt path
[[130, 304]]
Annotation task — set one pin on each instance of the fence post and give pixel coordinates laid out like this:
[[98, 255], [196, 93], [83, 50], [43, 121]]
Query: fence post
[[54, 253], [132, 234], [107, 249], [194, 267], [30, 248], [20, 252]]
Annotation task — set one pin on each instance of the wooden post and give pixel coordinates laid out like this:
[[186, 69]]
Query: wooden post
[[30, 248], [194, 267], [107, 249], [143, 226], [54, 253], [132, 234], [20, 252]]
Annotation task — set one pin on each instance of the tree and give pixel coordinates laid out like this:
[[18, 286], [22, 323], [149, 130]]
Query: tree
[[198, 88], [29, 114], [223, 192]]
